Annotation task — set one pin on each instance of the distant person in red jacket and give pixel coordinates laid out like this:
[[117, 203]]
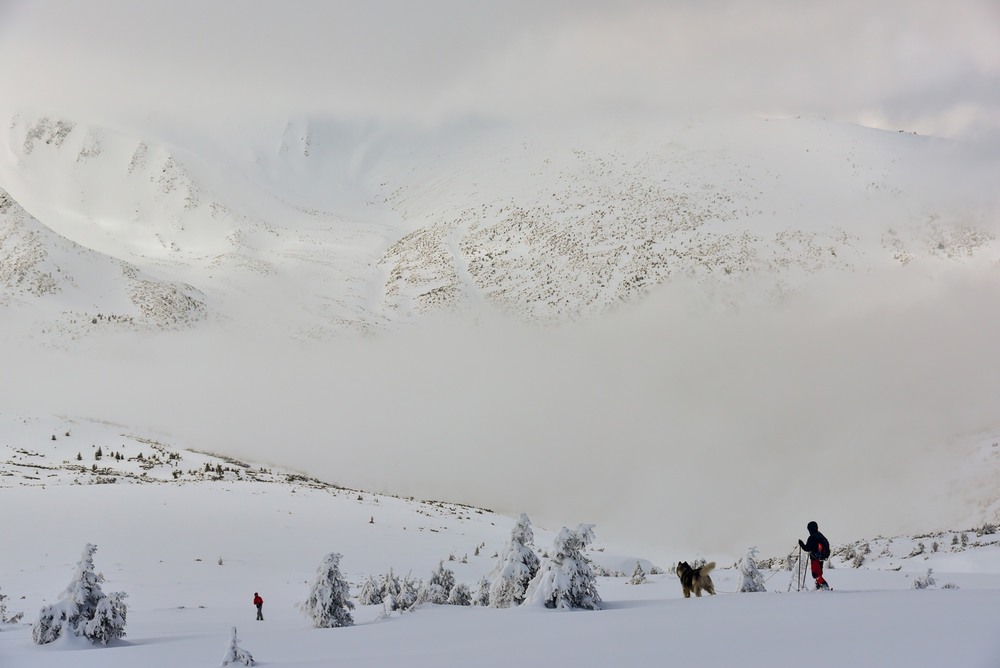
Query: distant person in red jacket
[[818, 548], [259, 602]]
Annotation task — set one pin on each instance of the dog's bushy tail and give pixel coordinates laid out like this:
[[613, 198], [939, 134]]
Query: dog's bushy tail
[[707, 568]]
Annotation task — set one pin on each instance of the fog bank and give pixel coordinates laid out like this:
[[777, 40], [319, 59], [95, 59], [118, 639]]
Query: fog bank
[[676, 428]]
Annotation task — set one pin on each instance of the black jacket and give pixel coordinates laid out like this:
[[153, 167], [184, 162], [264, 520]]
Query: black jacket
[[817, 546]]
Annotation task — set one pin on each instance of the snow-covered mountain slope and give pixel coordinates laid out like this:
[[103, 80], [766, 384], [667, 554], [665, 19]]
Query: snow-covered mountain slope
[[66, 290], [347, 227], [91, 459], [59, 451], [555, 227], [196, 216]]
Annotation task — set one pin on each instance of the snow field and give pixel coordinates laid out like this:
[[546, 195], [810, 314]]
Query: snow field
[[161, 544]]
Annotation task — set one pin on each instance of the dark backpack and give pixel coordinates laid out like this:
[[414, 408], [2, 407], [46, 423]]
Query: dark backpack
[[822, 552]]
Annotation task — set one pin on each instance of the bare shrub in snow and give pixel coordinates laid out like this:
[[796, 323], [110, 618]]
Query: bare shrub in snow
[[924, 582], [4, 619]]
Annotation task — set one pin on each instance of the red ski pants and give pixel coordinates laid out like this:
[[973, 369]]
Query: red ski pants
[[817, 570]]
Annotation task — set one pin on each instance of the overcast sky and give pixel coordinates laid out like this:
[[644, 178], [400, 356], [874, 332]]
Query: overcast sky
[[919, 65]]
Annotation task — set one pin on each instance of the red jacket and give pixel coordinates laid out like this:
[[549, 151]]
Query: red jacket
[[257, 600]]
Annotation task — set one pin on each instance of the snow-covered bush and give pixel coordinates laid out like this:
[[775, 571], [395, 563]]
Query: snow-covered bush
[[83, 609], [460, 595], [370, 591], [482, 595], [516, 565], [925, 582], [408, 594], [602, 572], [437, 588], [399, 595], [638, 575], [4, 619], [236, 654], [751, 579], [329, 604], [566, 580]]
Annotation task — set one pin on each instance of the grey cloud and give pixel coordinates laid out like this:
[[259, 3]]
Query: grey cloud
[[449, 59], [672, 427]]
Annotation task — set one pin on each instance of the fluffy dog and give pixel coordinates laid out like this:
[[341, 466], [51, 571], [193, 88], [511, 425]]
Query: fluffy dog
[[696, 580]]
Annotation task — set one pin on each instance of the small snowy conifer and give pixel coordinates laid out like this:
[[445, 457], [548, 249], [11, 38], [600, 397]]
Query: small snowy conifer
[[399, 594], [437, 588], [460, 595], [638, 575], [409, 593], [329, 604], [751, 579], [236, 654], [4, 619], [370, 591], [516, 565], [566, 579], [482, 595], [83, 609]]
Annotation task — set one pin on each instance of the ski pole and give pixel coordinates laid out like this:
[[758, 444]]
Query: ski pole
[[796, 575]]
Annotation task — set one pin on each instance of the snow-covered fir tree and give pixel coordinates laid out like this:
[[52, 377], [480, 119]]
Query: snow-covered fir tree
[[482, 594], [235, 653], [83, 609], [460, 595], [566, 580], [751, 579], [329, 604], [516, 565], [437, 588], [638, 575]]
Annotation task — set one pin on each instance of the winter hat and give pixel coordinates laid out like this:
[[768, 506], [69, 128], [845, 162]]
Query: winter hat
[[812, 527]]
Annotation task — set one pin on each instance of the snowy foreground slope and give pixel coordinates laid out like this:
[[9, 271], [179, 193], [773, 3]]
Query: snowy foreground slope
[[190, 537]]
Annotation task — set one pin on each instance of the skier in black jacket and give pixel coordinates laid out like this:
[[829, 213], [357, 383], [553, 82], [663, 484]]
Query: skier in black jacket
[[818, 548]]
